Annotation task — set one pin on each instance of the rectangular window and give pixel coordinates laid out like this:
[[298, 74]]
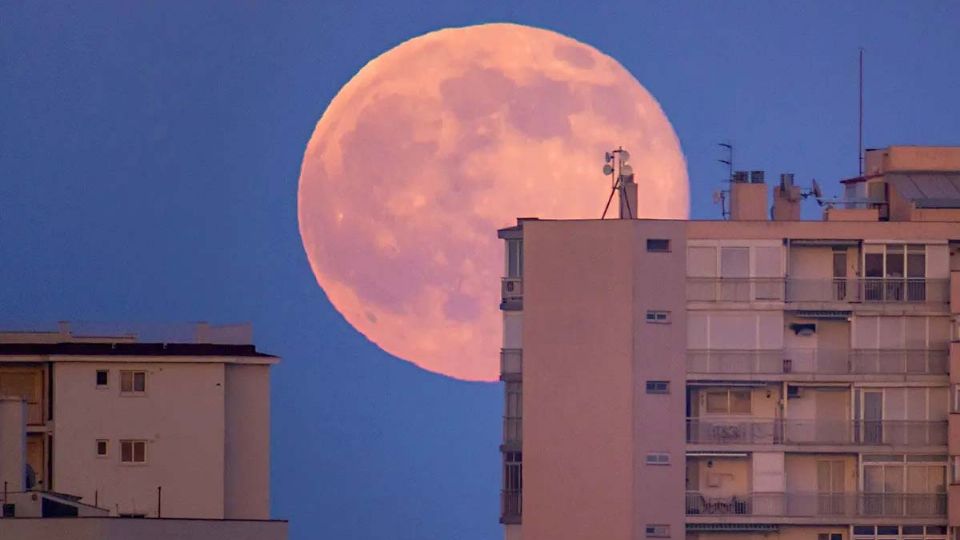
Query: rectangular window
[[660, 317], [133, 451], [133, 382], [101, 448], [658, 244], [658, 458], [515, 257], [728, 402], [103, 377], [658, 387], [830, 536], [658, 531]]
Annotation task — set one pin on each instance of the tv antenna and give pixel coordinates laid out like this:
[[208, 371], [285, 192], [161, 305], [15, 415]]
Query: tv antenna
[[720, 196], [616, 167]]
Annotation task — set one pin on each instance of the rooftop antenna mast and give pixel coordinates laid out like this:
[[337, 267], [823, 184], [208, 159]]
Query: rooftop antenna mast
[[860, 130], [720, 196], [617, 168]]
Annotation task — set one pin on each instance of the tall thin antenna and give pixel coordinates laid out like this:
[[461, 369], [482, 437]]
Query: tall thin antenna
[[860, 134], [729, 161]]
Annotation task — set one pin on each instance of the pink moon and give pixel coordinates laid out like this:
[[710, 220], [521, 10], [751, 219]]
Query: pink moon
[[437, 143]]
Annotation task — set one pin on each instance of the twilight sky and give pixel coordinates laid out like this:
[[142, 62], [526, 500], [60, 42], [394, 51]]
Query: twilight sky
[[150, 152]]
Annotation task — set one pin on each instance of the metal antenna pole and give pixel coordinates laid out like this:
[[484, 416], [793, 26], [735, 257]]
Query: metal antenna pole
[[860, 131]]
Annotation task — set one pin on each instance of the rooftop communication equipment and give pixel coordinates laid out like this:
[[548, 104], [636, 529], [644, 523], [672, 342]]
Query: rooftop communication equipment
[[620, 173]]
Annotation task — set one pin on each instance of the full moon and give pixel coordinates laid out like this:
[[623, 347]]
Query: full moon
[[437, 143]]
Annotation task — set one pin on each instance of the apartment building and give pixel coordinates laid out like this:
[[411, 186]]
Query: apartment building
[[757, 377], [138, 428]]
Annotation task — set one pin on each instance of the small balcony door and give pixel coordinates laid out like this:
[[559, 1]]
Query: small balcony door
[[830, 487]]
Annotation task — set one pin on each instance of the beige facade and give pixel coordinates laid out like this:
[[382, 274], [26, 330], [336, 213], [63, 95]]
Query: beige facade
[[173, 430], [104, 528], [749, 378]]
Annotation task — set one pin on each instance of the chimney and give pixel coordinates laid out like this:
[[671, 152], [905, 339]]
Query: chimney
[[786, 200], [628, 197], [748, 199], [13, 442]]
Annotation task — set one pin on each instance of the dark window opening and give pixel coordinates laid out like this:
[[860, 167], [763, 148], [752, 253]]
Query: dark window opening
[[658, 245], [658, 387], [102, 377]]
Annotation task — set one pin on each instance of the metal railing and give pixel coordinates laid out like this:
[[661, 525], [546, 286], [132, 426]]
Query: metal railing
[[805, 504], [511, 505], [879, 290], [869, 290], [511, 363], [825, 361], [732, 431]]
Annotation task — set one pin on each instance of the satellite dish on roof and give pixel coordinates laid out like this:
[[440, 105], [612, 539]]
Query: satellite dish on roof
[[624, 155], [817, 193], [626, 170], [608, 157], [607, 169]]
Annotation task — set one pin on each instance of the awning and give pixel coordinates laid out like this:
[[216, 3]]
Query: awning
[[821, 314], [823, 242]]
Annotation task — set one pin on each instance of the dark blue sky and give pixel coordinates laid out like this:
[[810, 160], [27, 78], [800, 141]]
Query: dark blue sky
[[149, 157]]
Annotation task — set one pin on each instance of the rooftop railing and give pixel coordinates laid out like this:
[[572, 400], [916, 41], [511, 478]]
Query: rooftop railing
[[822, 361], [805, 504], [733, 431], [862, 290]]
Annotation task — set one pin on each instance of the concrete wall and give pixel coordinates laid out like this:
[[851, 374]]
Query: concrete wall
[[140, 529], [659, 353], [181, 415], [246, 489], [578, 471], [13, 443]]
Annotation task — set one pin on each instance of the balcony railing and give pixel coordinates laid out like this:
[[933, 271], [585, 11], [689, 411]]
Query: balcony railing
[[824, 361], [511, 364], [511, 505], [511, 289], [732, 431], [735, 289], [880, 290], [868, 290], [800, 504]]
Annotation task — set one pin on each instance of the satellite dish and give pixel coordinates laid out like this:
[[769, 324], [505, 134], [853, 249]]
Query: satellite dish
[[717, 197], [624, 155], [608, 157], [626, 170], [817, 193], [607, 169]]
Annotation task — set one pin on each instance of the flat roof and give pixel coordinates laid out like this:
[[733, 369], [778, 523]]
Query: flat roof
[[131, 349]]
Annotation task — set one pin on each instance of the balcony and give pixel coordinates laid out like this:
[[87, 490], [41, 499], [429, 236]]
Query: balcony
[[511, 364], [730, 431], [512, 429], [735, 289], [819, 361], [511, 293], [800, 504], [511, 501], [859, 290], [869, 290]]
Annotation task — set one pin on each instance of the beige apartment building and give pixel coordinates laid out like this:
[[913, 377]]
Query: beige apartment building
[[760, 377], [105, 426]]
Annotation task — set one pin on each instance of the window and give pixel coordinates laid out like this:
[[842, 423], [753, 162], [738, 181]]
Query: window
[[515, 257], [133, 381], [830, 536], [728, 401], [658, 458], [103, 378], [661, 317], [658, 244], [101, 448], [658, 531], [133, 451], [658, 387]]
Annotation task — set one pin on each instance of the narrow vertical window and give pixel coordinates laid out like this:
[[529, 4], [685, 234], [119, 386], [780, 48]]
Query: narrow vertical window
[[101, 448], [103, 378]]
